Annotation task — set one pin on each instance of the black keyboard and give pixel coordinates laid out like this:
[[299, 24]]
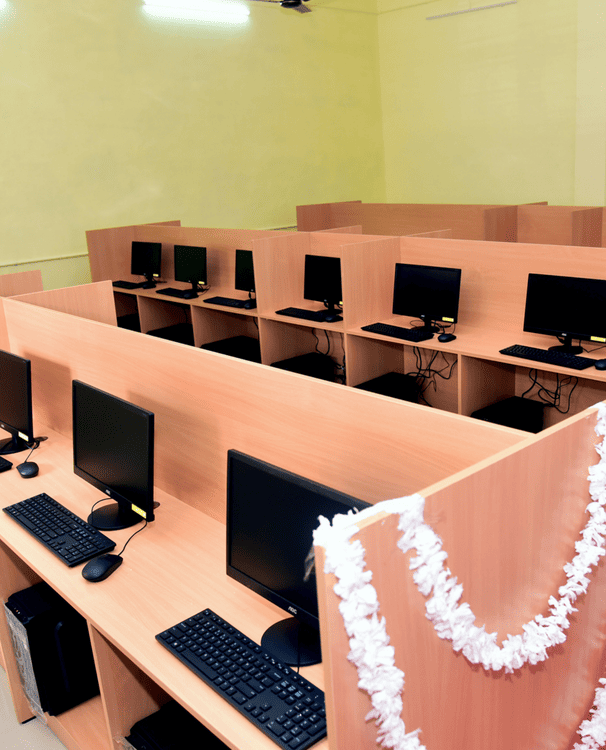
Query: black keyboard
[[227, 301], [73, 540], [181, 293], [283, 705], [561, 359], [319, 316], [407, 334], [127, 284], [5, 464]]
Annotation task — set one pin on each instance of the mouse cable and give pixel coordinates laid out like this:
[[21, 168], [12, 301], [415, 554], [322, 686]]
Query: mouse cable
[[131, 536]]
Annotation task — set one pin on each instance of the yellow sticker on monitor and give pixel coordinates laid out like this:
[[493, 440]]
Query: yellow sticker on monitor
[[22, 436], [138, 510], [598, 338], [448, 320]]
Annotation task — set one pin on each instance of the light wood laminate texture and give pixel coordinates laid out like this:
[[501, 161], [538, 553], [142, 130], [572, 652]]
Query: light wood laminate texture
[[508, 526]]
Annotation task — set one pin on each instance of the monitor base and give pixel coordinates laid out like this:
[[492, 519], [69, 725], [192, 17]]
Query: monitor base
[[113, 517], [13, 444], [293, 643]]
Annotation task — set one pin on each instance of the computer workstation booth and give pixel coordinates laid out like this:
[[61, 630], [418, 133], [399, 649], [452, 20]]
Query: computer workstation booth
[[362, 444], [204, 405]]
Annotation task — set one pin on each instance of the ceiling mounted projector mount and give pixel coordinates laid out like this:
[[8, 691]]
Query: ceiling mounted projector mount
[[297, 5]]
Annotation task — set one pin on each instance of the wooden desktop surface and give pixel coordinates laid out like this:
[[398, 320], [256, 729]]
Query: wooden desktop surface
[[173, 569]]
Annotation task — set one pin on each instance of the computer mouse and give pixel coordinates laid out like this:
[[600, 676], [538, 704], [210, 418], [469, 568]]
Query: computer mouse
[[332, 318], [28, 469], [599, 365], [250, 304], [100, 568], [444, 338]]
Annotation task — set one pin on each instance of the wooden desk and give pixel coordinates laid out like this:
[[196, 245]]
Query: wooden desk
[[173, 569]]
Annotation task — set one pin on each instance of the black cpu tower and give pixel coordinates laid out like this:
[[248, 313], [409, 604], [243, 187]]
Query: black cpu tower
[[53, 650]]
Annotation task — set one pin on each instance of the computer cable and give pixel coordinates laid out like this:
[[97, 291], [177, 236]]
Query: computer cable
[[131, 536], [426, 374], [553, 397]]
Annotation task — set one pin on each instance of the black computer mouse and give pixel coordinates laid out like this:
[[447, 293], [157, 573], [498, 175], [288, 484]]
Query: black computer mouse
[[250, 304], [28, 469], [599, 365], [99, 568], [444, 338]]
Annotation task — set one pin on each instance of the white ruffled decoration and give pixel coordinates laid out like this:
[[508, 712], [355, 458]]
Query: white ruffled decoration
[[369, 642]]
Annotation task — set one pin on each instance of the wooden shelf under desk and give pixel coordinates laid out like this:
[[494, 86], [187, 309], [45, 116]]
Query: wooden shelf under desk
[[172, 570]]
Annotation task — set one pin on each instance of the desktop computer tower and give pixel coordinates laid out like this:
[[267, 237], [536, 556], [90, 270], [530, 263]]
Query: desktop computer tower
[[314, 364], [172, 728], [53, 651], [395, 385], [521, 413]]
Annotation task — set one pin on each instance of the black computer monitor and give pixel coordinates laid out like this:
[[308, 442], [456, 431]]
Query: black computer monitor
[[245, 272], [190, 265], [322, 282], [16, 413], [568, 307], [146, 260], [114, 451], [430, 293], [271, 515]]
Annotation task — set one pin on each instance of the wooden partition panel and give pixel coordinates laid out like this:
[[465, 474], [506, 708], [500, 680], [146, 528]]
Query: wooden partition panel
[[560, 225], [398, 219], [368, 275], [501, 224], [12, 284], [109, 252], [342, 230], [319, 216], [92, 301], [508, 527], [206, 403]]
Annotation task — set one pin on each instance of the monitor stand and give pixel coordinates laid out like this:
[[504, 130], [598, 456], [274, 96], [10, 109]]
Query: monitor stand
[[293, 643], [567, 346], [113, 517], [149, 283], [14, 444]]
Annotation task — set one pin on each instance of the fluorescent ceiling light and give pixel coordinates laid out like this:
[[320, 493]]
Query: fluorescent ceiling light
[[225, 11]]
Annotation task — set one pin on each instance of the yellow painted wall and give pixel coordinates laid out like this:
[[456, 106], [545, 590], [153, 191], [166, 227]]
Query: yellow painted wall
[[481, 107], [112, 118]]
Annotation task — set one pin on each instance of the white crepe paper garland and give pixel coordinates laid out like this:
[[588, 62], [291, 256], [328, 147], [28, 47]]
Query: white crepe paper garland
[[369, 643]]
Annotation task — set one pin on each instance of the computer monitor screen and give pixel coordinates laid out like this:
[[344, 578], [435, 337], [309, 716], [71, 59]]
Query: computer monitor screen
[[567, 307], [322, 280], [271, 516], [430, 293], [245, 273], [146, 259], [190, 264], [114, 451], [16, 413]]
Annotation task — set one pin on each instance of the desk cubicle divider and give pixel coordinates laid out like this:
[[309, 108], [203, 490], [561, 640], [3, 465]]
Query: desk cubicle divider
[[508, 527], [109, 251], [465, 221], [11, 285], [92, 301], [206, 403], [560, 225]]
